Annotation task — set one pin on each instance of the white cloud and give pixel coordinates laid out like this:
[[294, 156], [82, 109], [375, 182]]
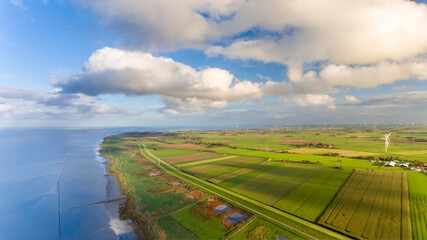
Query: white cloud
[[111, 70], [19, 103], [313, 100], [154, 24], [178, 106], [342, 32], [360, 43], [375, 75], [352, 99]]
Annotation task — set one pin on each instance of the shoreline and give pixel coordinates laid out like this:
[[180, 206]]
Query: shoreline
[[127, 211]]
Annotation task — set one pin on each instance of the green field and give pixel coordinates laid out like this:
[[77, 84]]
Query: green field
[[260, 169], [214, 169], [170, 152], [372, 205], [418, 200], [311, 199], [307, 192], [205, 228], [271, 231], [273, 185]]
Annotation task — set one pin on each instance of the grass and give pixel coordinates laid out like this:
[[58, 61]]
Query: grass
[[205, 228], [370, 206], [260, 169], [171, 152], [149, 205], [311, 199], [273, 185], [418, 201], [175, 230], [291, 223], [238, 172], [324, 160], [185, 165], [365, 207], [272, 232], [214, 169]]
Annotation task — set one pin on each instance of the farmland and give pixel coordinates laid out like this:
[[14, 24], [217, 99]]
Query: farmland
[[370, 206], [418, 201], [298, 183], [273, 185], [311, 199]]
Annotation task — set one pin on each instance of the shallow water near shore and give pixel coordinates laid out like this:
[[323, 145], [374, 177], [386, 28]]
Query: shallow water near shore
[[53, 185]]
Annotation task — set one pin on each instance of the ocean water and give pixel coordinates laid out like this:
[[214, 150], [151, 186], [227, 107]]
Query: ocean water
[[53, 185]]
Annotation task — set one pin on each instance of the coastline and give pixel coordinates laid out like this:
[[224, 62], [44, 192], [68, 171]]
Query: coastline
[[127, 211]]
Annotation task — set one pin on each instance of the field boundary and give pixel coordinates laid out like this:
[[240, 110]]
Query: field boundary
[[238, 199]]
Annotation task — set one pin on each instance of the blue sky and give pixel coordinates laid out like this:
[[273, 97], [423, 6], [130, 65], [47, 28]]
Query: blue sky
[[211, 63]]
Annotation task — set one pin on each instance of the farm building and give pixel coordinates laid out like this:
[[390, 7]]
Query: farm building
[[390, 164], [404, 164]]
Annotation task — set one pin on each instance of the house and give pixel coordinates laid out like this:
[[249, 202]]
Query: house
[[390, 164]]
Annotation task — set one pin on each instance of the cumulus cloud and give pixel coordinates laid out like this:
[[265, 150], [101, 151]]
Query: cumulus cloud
[[342, 32], [360, 43], [23, 103], [179, 106], [110, 71], [164, 24], [313, 100]]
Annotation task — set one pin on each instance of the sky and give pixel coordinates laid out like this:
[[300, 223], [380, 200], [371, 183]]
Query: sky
[[212, 63]]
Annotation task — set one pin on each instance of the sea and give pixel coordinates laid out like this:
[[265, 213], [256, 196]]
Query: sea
[[55, 185]]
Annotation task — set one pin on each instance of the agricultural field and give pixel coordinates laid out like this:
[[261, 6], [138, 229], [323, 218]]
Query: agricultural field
[[371, 205], [214, 169], [312, 198], [262, 229], [277, 183], [418, 201], [188, 158], [310, 179]]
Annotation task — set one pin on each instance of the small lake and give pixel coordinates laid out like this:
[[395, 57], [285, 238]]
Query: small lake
[[53, 185]]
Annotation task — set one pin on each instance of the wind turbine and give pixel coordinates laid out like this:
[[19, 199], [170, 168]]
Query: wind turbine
[[387, 140]]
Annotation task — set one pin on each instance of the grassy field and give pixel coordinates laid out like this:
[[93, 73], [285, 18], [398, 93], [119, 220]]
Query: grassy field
[[269, 231], [238, 172], [324, 160], [204, 162], [214, 169], [205, 228], [150, 202], [275, 184], [296, 225], [234, 181], [170, 152], [341, 152], [273, 172], [311, 199], [418, 200], [372, 205]]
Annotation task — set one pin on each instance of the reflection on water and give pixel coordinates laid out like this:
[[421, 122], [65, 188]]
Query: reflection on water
[[35, 164]]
